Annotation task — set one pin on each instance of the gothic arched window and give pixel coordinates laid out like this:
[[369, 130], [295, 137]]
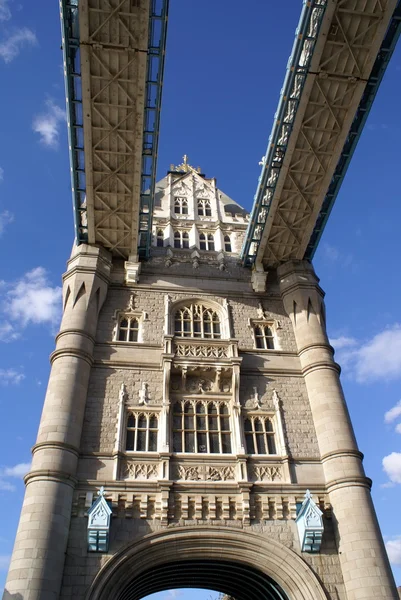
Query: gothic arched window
[[260, 435], [264, 337], [227, 243], [180, 206], [197, 321], [206, 241], [181, 239], [128, 329], [141, 432], [201, 427], [204, 208], [160, 238]]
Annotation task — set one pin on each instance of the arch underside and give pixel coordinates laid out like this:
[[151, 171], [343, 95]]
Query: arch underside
[[242, 582], [244, 564]]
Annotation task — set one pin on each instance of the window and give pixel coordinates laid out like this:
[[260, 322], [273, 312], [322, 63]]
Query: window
[[141, 432], [180, 206], [160, 238], [259, 435], [181, 239], [128, 329], [264, 337], [98, 540], [201, 427], [227, 243], [197, 321], [204, 208], [206, 241]]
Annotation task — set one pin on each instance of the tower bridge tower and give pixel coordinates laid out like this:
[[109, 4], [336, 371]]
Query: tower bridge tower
[[194, 431]]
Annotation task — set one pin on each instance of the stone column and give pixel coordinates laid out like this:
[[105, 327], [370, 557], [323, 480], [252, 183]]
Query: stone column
[[37, 563], [363, 557]]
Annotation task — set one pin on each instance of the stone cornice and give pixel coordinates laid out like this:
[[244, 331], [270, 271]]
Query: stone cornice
[[342, 453], [75, 352], [348, 482], [71, 331], [50, 475], [55, 446], [317, 366]]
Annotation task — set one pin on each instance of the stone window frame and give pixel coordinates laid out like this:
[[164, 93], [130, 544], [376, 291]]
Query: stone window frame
[[139, 316], [264, 323], [181, 205], [228, 245], [221, 435], [159, 238], [182, 237], [270, 438], [207, 241], [221, 310], [196, 325], [204, 207], [137, 413]]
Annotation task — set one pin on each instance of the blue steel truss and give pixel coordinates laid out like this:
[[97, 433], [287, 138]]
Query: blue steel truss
[[154, 85], [154, 81], [362, 113], [297, 71]]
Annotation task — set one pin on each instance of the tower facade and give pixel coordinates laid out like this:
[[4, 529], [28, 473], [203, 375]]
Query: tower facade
[[194, 430]]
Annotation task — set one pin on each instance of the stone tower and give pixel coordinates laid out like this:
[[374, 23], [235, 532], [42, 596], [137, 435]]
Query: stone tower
[[194, 431]]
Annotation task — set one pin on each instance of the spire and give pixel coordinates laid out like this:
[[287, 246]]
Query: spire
[[185, 167]]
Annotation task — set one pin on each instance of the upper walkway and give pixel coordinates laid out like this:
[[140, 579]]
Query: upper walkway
[[114, 58]]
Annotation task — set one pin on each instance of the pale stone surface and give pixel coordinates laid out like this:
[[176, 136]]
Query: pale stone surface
[[244, 505]]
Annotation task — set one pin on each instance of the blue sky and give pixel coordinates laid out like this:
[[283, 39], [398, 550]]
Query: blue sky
[[224, 70]]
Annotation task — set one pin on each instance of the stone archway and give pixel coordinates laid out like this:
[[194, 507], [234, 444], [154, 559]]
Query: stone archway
[[222, 558]]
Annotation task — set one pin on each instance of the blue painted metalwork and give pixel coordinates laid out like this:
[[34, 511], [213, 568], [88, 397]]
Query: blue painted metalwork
[[362, 113], [297, 71], [73, 88], [154, 85], [154, 81]]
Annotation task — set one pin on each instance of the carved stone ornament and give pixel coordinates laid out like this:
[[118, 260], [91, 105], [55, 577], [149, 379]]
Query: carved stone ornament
[[265, 472], [199, 350], [310, 525], [143, 394], [204, 472], [136, 470], [122, 394]]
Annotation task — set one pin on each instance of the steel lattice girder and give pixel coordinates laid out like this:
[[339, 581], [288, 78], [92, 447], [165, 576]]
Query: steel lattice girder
[[300, 166], [119, 93]]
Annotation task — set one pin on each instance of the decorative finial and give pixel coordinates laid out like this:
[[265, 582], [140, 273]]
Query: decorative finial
[[185, 166], [100, 492], [143, 394], [308, 495]]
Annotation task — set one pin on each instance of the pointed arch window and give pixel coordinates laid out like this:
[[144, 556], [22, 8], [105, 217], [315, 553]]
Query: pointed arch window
[[201, 427], [181, 239], [260, 435], [204, 207], [180, 205], [128, 329], [206, 241], [197, 321], [264, 337], [227, 243], [142, 429], [160, 238]]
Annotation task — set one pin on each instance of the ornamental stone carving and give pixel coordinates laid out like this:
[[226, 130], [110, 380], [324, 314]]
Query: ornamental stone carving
[[198, 350], [204, 472], [136, 470], [265, 472]]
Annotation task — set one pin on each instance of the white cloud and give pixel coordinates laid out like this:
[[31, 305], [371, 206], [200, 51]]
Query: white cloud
[[5, 12], [5, 219], [331, 252], [173, 594], [16, 472], [392, 414], [393, 547], [343, 342], [1, 173], [4, 562], [392, 466], [8, 332], [32, 299], [11, 46], [398, 428], [11, 377], [47, 124], [378, 358]]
